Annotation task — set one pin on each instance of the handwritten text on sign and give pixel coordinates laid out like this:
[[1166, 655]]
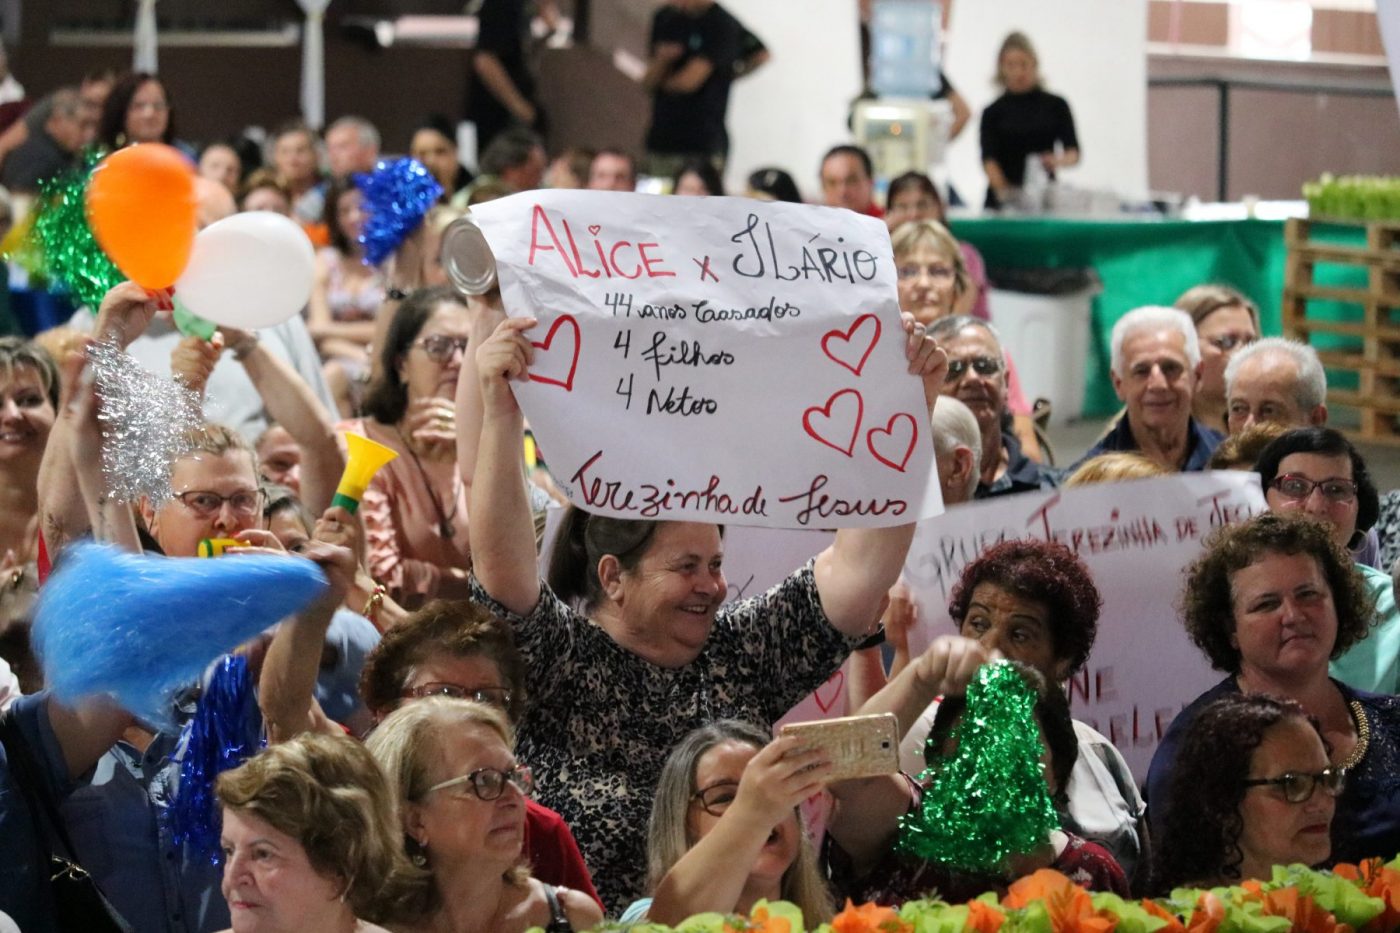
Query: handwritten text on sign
[[715, 359], [1136, 538]]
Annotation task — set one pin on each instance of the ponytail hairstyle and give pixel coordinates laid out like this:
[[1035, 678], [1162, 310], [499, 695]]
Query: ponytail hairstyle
[[584, 539]]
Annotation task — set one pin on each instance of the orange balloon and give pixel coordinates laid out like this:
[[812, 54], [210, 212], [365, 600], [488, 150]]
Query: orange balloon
[[141, 207]]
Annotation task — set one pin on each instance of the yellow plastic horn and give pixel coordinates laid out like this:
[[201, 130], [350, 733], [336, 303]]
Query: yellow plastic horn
[[366, 457]]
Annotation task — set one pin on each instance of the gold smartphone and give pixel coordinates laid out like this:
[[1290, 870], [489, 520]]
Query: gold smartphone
[[858, 746]]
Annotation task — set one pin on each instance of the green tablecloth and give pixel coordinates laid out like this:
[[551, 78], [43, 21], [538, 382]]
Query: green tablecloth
[[1141, 262]]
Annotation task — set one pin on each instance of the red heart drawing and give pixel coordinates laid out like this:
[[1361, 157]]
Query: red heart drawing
[[833, 686], [825, 417], [849, 345], [593, 229], [886, 437], [543, 346]]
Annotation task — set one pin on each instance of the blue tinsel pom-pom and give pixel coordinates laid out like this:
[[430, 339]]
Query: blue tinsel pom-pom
[[225, 732], [397, 195], [142, 627]]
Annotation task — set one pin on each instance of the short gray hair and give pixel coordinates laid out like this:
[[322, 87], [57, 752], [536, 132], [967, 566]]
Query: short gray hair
[[954, 426], [1155, 317], [369, 135], [947, 328], [1310, 390]]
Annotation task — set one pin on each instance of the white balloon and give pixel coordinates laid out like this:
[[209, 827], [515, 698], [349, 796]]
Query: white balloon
[[249, 270]]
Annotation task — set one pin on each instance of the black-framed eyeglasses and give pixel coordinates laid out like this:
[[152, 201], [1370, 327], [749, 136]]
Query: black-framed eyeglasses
[[489, 783], [1298, 487], [1227, 342], [716, 798], [205, 503], [440, 347], [982, 365], [1298, 786], [498, 697]]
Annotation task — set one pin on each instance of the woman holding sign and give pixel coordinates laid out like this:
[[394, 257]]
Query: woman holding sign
[[1271, 602], [651, 655]]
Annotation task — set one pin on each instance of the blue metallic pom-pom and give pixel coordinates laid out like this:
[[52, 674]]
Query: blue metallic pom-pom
[[397, 195]]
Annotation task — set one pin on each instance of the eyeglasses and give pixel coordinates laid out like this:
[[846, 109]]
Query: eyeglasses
[[1298, 786], [716, 798], [498, 697], [1298, 487], [489, 783], [1227, 342], [205, 504], [982, 365], [440, 347], [913, 271]]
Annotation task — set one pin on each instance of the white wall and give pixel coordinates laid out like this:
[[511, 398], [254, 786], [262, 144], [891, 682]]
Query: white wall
[[794, 108], [1092, 52]]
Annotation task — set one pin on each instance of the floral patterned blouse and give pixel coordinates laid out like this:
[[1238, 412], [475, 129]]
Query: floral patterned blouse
[[601, 721]]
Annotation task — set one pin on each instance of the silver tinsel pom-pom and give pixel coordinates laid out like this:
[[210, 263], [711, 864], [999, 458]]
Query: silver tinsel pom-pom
[[147, 423]]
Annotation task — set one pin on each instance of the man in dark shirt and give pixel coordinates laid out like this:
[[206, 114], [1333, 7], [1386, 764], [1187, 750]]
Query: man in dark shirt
[[977, 378], [54, 148], [1156, 366], [503, 92], [695, 46]]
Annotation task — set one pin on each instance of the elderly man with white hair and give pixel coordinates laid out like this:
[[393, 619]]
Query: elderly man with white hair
[[957, 449], [977, 377], [1156, 367], [1278, 380]]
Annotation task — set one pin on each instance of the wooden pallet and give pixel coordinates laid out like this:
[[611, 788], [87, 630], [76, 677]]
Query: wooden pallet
[[1374, 352]]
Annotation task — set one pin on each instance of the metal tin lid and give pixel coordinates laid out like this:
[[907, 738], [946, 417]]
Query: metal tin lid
[[467, 259]]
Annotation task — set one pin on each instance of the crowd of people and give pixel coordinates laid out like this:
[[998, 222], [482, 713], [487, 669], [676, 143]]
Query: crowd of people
[[460, 739]]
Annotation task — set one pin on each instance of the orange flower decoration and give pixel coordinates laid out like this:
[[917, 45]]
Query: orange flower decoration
[[761, 922], [1161, 913], [1070, 908], [983, 918], [1208, 915], [1302, 912], [868, 918], [1376, 880]]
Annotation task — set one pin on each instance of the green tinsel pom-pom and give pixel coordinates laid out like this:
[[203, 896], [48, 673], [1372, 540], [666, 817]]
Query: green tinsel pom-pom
[[68, 253], [990, 801]]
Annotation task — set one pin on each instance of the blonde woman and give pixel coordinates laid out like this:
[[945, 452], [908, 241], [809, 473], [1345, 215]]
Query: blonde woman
[[461, 797], [726, 830], [1114, 467], [931, 273]]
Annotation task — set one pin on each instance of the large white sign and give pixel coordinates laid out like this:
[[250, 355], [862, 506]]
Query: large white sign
[[715, 359], [1136, 539]]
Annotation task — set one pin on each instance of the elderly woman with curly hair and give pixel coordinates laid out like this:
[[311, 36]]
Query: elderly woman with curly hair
[[1253, 788], [1271, 602], [310, 842], [1033, 602]]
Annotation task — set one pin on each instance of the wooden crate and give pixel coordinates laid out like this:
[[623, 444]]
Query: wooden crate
[[1376, 328]]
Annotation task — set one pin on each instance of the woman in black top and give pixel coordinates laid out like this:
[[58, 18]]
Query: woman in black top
[[1026, 120]]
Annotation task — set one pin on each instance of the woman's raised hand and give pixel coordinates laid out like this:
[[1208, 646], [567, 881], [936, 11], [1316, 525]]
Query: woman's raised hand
[[505, 355], [432, 423], [193, 361], [127, 310], [781, 776], [926, 358], [948, 665]]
